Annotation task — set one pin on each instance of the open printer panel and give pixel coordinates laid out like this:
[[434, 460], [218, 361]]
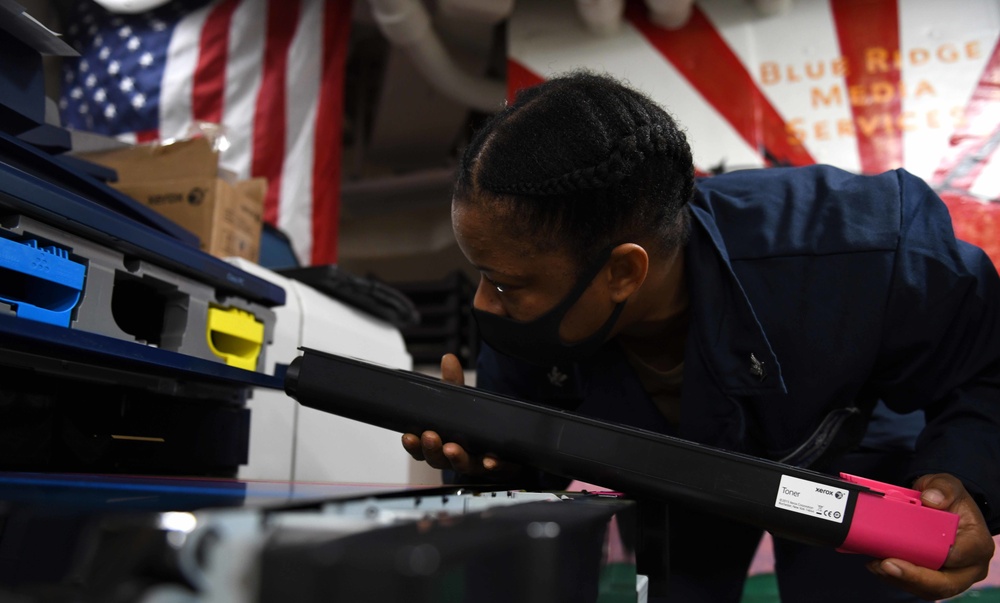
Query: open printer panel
[[124, 348], [78, 255]]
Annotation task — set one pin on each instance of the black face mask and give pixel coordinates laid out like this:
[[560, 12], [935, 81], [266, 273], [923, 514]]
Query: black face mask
[[537, 341]]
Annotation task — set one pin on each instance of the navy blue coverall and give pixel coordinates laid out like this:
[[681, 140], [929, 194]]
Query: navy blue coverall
[[864, 315]]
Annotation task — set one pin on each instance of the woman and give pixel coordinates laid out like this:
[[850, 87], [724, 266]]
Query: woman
[[805, 315]]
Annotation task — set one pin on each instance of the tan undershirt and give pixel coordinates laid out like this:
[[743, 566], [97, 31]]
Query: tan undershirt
[[660, 366], [663, 387]]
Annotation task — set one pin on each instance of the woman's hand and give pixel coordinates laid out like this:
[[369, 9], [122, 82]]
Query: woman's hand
[[968, 560], [429, 446]]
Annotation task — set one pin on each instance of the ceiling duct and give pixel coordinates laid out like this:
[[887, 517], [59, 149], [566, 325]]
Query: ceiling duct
[[407, 24], [602, 17], [670, 14]]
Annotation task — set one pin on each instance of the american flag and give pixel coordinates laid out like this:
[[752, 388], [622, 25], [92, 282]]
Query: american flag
[[269, 72]]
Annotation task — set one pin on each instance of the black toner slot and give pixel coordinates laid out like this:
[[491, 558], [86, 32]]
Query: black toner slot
[[152, 311]]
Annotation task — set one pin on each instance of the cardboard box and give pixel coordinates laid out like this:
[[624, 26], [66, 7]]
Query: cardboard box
[[182, 181]]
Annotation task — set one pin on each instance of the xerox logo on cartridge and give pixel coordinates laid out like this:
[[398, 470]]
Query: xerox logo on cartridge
[[811, 498]]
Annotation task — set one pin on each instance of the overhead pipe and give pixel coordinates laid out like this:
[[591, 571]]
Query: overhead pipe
[[602, 17], [670, 14], [405, 23], [483, 11], [770, 8]]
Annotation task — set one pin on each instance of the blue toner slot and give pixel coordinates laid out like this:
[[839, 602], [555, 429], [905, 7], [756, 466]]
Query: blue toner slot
[[39, 283]]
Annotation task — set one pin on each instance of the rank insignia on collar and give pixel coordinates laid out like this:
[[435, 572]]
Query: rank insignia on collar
[[757, 368], [557, 377]]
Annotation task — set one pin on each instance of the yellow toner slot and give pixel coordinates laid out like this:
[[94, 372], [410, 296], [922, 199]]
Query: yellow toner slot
[[235, 336]]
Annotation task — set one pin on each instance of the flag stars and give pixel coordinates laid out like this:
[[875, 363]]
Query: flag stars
[[114, 67], [157, 25], [84, 65], [104, 53], [146, 59], [63, 103], [124, 32], [133, 43], [92, 30], [84, 109], [127, 85], [110, 112], [76, 93], [98, 40], [91, 81], [100, 95], [139, 101]]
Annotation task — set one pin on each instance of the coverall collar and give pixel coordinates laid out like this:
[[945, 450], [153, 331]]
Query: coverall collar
[[728, 335]]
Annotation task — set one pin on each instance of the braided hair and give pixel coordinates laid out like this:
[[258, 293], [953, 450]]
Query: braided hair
[[581, 162]]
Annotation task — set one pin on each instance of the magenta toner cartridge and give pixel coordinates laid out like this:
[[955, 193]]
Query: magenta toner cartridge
[[849, 513]]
